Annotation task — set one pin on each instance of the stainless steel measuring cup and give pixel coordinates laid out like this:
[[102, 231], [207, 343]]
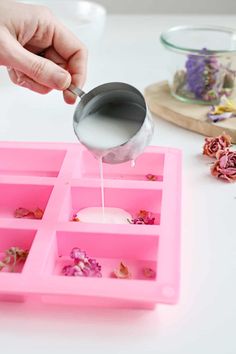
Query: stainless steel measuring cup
[[121, 96]]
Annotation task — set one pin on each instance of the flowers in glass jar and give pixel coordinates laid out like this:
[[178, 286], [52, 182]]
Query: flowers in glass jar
[[204, 78]]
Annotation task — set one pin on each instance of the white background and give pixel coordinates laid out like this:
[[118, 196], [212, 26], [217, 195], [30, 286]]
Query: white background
[[167, 6], [204, 320]]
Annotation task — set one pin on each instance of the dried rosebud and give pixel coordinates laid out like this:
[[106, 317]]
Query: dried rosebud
[[225, 166], [22, 212], [149, 273], [122, 272], [151, 177], [38, 213], [215, 144]]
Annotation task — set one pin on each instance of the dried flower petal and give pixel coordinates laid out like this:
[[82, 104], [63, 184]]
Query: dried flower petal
[[151, 177], [24, 213], [21, 212], [144, 217], [226, 109], [75, 218], [77, 254], [215, 144], [38, 213], [122, 272], [225, 166], [149, 273]]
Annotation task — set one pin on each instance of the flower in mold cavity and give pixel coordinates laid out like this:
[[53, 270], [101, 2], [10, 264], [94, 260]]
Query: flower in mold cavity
[[24, 213], [122, 272], [149, 273], [82, 266], [151, 177], [144, 217]]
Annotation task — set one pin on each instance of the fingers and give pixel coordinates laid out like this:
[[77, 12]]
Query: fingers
[[52, 55], [41, 70], [21, 79], [74, 52]]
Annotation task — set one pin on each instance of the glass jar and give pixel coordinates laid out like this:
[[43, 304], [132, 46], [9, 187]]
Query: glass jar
[[202, 62]]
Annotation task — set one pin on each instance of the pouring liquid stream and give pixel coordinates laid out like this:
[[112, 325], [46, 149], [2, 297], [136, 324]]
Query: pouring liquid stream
[[102, 187]]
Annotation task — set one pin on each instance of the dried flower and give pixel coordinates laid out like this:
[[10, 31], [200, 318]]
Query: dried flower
[[151, 177], [225, 165], [205, 78], [13, 256], [149, 273], [122, 272], [24, 213], [143, 217], [215, 144], [38, 213], [82, 266], [75, 218], [226, 109], [21, 212], [202, 74]]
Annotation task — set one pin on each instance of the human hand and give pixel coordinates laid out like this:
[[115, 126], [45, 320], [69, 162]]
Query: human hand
[[39, 52]]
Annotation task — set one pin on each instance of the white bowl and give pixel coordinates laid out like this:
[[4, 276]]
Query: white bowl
[[84, 18]]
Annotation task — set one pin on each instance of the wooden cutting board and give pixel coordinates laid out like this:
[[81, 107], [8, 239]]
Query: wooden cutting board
[[189, 116]]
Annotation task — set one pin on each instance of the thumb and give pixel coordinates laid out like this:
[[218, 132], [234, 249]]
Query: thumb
[[37, 68]]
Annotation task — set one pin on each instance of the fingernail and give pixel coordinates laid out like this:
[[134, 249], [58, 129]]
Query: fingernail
[[62, 80]]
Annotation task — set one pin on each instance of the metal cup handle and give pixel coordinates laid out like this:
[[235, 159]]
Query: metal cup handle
[[76, 91]]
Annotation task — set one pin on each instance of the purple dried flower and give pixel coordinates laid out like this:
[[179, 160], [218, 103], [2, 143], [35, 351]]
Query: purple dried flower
[[202, 75], [77, 254], [83, 266]]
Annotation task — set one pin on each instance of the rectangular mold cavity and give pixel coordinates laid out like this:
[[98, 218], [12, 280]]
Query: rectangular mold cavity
[[135, 251], [131, 200], [28, 196], [147, 163], [31, 162], [15, 238]]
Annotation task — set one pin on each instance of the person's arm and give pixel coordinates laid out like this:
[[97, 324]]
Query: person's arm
[[39, 52]]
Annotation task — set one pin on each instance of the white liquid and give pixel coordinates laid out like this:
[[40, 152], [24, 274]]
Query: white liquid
[[97, 215], [102, 186], [132, 163], [109, 127]]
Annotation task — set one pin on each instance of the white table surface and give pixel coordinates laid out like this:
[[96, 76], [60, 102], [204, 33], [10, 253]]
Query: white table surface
[[204, 320]]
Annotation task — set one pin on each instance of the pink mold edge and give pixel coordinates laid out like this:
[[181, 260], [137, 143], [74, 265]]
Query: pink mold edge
[[62, 178]]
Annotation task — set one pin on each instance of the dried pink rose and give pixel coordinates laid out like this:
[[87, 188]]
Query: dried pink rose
[[215, 144], [225, 166]]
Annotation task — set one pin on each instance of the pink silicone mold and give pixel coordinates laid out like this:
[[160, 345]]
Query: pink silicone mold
[[63, 178]]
